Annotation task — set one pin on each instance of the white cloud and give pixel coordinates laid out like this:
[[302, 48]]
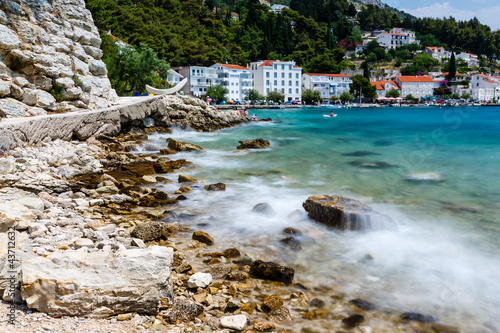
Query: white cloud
[[486, 15]]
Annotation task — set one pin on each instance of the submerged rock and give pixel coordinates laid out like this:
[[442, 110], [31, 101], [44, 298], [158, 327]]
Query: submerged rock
[[372, 165], [183, 312], [346, 214], [272, 271], [253, 144], [414, 316], [353, 321], [362, 304], [203, 237], [216, 187], [264, 209]]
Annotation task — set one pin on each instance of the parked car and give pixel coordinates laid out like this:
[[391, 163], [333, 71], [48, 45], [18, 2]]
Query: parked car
[[288, 103]]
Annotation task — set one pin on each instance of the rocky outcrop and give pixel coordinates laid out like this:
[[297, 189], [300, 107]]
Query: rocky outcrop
[[167, 111], [253, 144], [98, 284], [50, 59], [346, 214]]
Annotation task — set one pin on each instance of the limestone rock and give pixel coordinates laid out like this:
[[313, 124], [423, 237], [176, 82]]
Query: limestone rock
[[98, 284], [183, 312], [253, 144], [150, 231], [8, 38], [199, 280], [346, 214], [182, 146], [10, 107], [237, 322], [186, 179]]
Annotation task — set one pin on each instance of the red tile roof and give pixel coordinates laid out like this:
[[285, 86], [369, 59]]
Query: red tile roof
[[433, 48], [424, 78], [444, 74], [379, 85], [233, 66], [269, 63], [330, 75]]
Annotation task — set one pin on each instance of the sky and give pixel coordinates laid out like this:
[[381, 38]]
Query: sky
[[487, 11]]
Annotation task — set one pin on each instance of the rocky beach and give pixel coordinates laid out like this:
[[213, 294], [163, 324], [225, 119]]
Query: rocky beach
[[100, 247]]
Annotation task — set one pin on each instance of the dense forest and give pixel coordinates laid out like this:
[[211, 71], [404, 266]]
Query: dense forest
[[314, 33]]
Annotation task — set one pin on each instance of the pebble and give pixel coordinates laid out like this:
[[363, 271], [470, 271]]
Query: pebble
[[199, 280]]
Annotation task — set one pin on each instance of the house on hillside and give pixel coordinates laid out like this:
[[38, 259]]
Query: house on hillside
[[384, 86], [396, 37], [199, 79], [417, 86], [328, 85], [278, 9], [438, 53], [472, 60], [276, 75], [484, 88], [235, 78], [264, 2]]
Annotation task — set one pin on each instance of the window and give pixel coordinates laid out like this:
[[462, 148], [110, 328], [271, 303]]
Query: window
[[282, 75], [290, 90], [267, 74], [296, 91], [297, 75], [289, 75], [275, 82], [282, 67], [275, 75], [267, 90], [282, 82], [290, 67], [290, 83], [267, 82], [275, 66]]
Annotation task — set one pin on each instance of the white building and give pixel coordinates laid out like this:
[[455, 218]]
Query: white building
[[438, 53], [275, 75], [173, 77], [396, 37], [278, 9], [417, 86], [199, 79], [484, 88], [235, 78], [328, 85], [384, 86], [471, 59]]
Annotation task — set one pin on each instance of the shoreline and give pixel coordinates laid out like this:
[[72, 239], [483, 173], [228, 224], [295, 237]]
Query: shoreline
[[306, 306]]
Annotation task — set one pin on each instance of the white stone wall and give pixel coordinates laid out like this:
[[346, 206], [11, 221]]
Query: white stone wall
[[44, 44]]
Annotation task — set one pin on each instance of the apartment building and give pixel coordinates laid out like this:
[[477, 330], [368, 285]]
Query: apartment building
[[438, 53], [484, 88], [276, 75], [328, 85], [417, 86], [173, 77], [236, 79], [384, 86], [199, 79], [396, 37]]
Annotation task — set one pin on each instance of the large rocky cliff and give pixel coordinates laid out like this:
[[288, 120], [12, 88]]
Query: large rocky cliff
[[50, 58]]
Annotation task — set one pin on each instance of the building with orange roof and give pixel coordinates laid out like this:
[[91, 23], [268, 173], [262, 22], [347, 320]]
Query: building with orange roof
[[484, 88], [438, 53], [235, 78], [328, 85], [472, 60], [417, 86], [276, 75], [384, 86], [396, 37]]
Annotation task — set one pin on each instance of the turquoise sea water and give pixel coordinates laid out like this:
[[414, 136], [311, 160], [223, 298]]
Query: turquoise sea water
[[444, 258]]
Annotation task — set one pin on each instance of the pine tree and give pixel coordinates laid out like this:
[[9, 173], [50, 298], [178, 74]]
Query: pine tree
[[452, 70]]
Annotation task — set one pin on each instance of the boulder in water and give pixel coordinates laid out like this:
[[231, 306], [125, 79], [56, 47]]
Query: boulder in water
[[272, 271], [216, 187], [253, 144], [346, 214], [182, 146]]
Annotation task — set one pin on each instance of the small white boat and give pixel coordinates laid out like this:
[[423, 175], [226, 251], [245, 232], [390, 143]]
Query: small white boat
[[330, 116]]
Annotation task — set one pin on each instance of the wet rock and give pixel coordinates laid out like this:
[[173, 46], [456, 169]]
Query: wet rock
[[169, 166], [182, 146], [438, 328], [237, 322], [316, 314], [216, 187], [362, 304], [155, 199], [183, 189], [150, 231], [414, 316], [353, 321], [133, 171], [253, 144], [167, 152], [203, 237], [186, 179], [219, 272], [264, 208], [98, 284], [346, 214], [271, 302], [292, 243], [292, 231], [183, 312], [317, 303], [229, 253], [281, 316], [272, 271]]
